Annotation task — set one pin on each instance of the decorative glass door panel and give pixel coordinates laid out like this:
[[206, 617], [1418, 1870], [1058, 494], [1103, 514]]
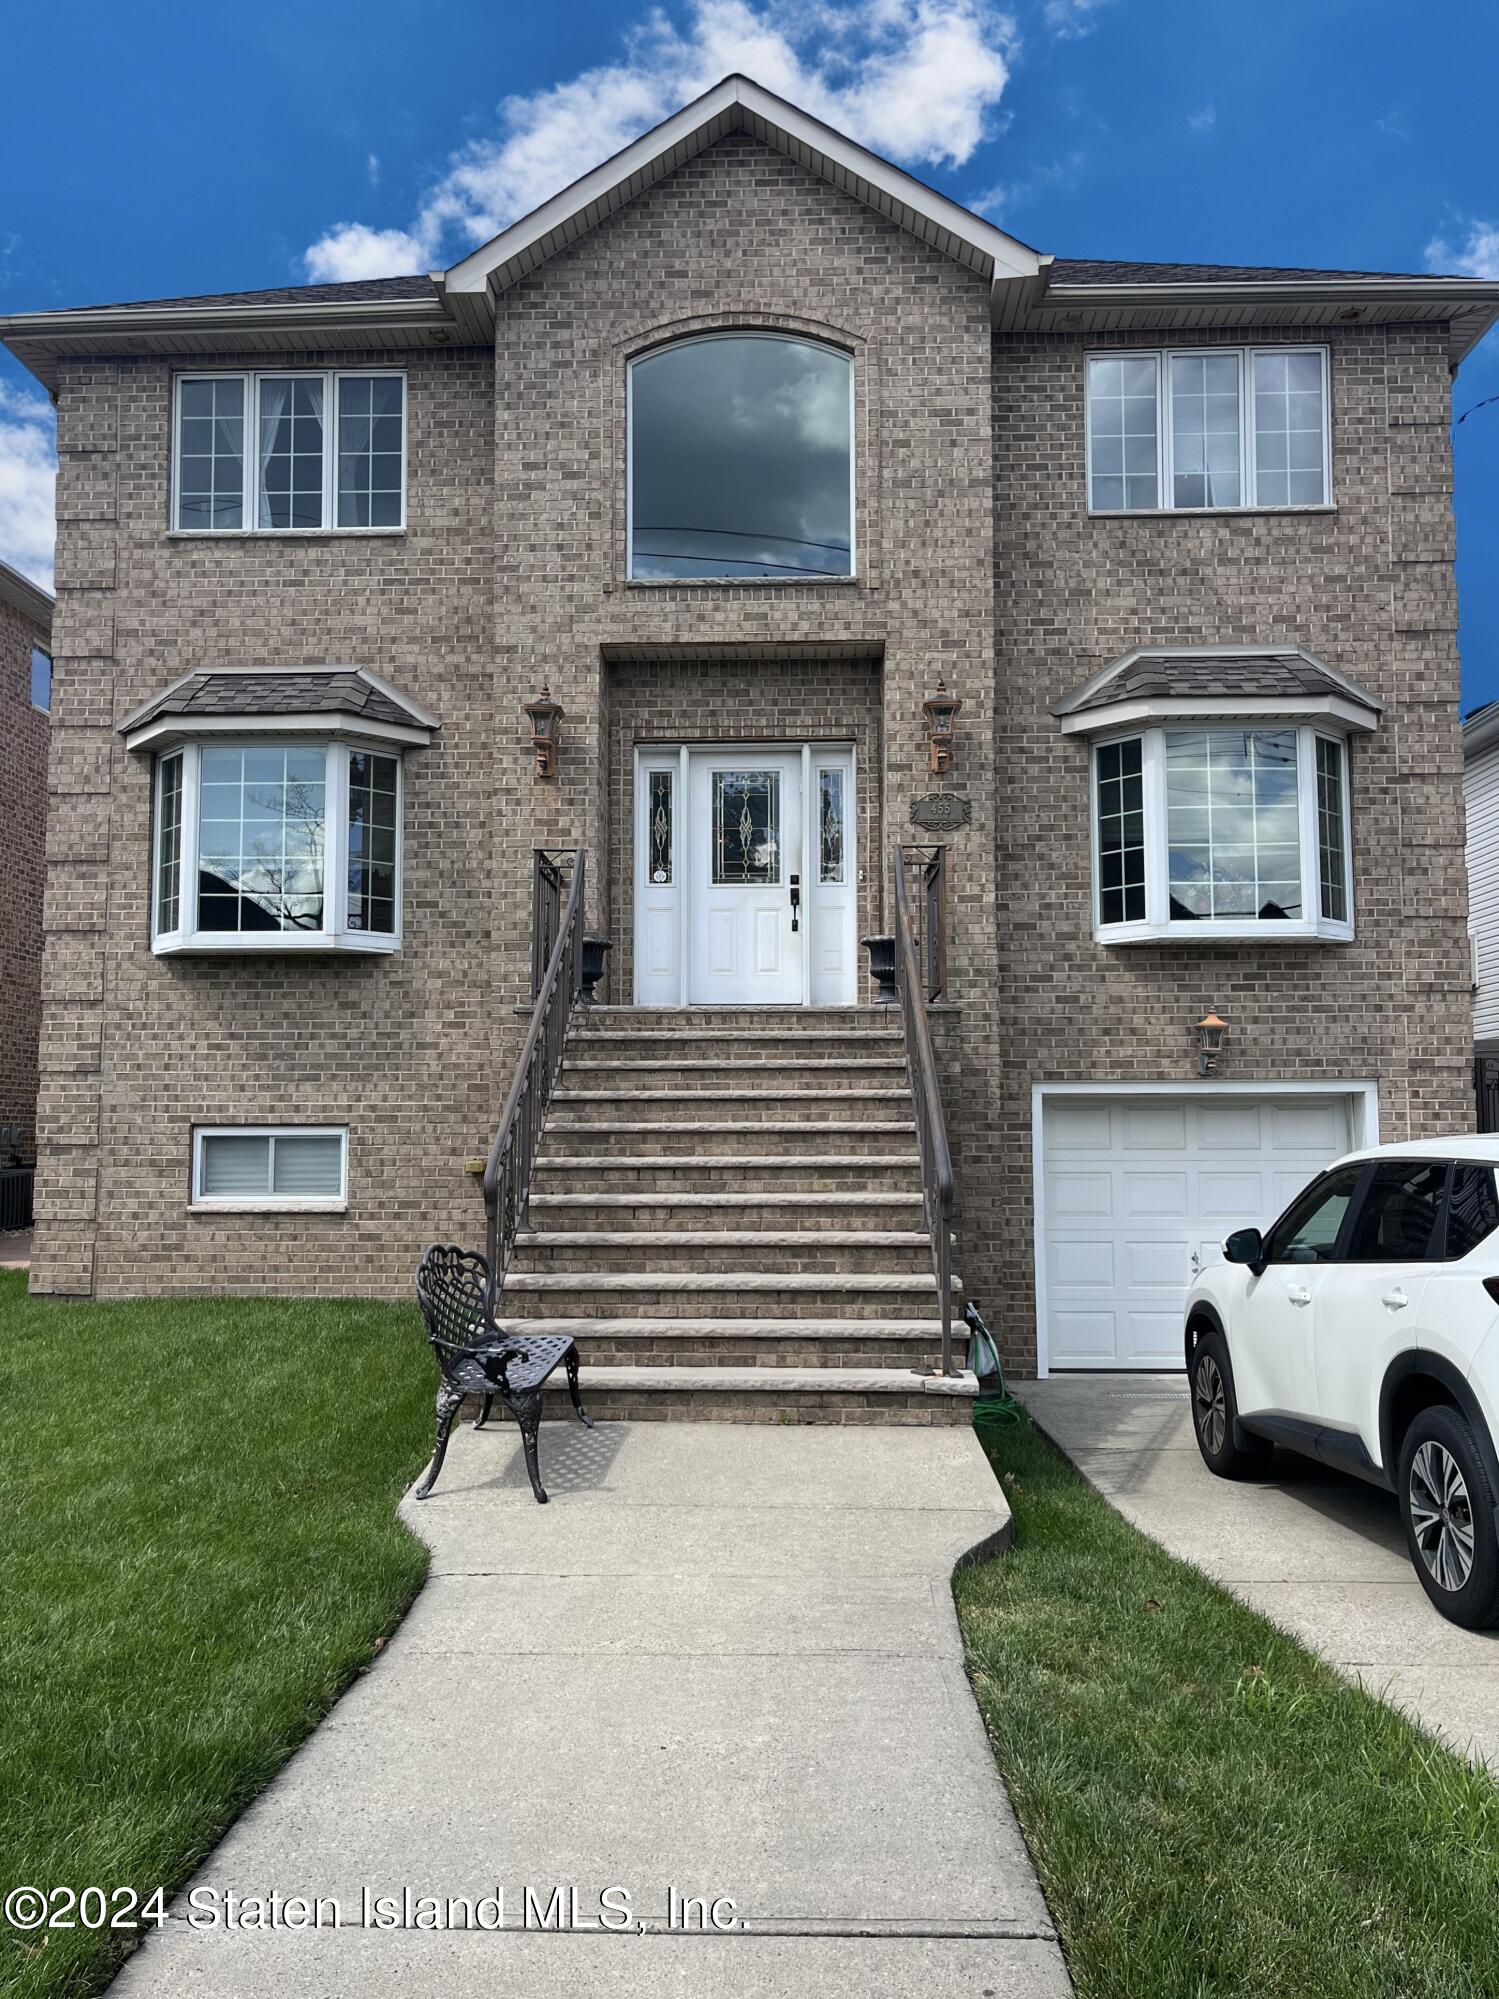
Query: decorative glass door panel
[[746, 828]]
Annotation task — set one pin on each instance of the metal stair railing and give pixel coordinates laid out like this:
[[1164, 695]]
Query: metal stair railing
[[937, 1192]]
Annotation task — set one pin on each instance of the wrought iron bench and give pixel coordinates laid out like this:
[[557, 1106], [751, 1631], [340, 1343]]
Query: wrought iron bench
[[455, 1290]]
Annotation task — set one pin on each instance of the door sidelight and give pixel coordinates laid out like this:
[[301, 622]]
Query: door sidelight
[[796, 903]]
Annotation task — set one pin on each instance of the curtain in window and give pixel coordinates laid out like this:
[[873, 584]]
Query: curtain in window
[[275, 408]]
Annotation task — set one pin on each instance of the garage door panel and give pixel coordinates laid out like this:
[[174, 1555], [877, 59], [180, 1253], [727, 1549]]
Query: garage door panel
[[1150, 1127], [1080, 1196], [1073, 1265], [1135, 1187], [1155, 1194]]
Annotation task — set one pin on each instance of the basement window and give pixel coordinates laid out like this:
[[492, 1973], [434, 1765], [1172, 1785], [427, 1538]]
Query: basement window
[[270, 1166]]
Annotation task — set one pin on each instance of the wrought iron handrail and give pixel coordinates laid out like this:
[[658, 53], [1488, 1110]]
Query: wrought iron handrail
[[931, 937], [937, 1196], [507, 1172]]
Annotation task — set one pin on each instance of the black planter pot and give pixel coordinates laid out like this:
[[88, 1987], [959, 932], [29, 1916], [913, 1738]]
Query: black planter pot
[[595, 949], [882, 968]]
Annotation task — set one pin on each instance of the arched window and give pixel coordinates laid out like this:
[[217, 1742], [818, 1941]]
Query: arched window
[[741, 459]]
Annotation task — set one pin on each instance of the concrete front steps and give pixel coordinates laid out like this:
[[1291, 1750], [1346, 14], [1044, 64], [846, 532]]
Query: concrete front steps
[[726, 1214]]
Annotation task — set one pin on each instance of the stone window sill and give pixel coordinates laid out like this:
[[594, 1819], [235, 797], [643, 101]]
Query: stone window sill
[[268, 1207]]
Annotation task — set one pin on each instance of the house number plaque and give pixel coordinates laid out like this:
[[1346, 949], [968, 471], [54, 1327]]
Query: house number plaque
[[941, 812]]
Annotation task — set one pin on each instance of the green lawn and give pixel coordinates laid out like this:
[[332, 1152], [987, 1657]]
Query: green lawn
[[1213, 1812], [198, 1552]]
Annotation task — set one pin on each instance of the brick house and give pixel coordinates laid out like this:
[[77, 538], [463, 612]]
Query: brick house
[[25, 701], [740, 446]]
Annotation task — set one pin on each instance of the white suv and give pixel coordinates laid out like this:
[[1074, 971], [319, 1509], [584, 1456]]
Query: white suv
[[1363, 1329]]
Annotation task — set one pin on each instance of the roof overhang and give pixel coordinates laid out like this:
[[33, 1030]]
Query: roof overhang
[[736, 104], [1338, 701], [29, 598], [160, 724], [40, 340], [1467, 307], [1481, 730]]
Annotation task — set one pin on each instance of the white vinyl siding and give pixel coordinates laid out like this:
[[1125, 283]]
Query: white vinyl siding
[[1481, 794], [270, 1166]]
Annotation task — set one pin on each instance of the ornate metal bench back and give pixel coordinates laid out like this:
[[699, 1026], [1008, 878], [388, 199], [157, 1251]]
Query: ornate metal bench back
[[453, 1288]]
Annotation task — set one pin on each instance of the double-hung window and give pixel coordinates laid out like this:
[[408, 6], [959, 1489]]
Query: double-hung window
[[1213, 830], [289, 451], [1208, 429], [275, 845]]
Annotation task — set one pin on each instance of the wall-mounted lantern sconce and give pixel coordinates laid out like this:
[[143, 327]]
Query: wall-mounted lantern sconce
[[941, 711], [1210, 1033], [546, 730]]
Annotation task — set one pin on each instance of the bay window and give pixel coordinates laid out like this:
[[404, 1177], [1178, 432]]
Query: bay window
[[1211, 830], [1208, 429], [277, 845], [289, 451]]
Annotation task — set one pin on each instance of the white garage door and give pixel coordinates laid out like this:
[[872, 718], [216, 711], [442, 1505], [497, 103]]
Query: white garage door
[[1136, 1186]]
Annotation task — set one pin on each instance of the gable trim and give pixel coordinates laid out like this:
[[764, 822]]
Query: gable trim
[[736, 104]]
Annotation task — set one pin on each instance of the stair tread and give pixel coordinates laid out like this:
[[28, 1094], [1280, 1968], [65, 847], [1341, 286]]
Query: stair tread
[[579, 1125], [644, 1198], [567, 1096], [723, 1238], [690, 1031], [741, 1329], [757, 1065], [740, 1161], [721, 1280], [779, 1380]]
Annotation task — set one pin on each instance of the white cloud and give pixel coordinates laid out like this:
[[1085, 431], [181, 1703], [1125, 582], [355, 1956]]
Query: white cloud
[[1477, 256], [914, 82], [1013, 194], [1070, 20], [1204, 120], [28, 482], [372, 168]]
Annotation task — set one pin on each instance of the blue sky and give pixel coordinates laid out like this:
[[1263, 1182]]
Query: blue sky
[[215, 149]]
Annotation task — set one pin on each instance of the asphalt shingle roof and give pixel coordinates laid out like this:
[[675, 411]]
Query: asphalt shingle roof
[[356, 292], [1097, 271], [1211, 676], [312, 693]]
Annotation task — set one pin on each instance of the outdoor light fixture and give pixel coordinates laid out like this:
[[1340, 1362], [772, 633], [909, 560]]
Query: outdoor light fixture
[[941, 711], [1210, 1032], [546, 730]]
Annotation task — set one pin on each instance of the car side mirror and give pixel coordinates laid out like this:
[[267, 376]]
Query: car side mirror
[[1246, 1246]]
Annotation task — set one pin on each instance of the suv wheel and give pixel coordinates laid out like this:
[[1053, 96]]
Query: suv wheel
[[1447, 1504], [1214, 1411]]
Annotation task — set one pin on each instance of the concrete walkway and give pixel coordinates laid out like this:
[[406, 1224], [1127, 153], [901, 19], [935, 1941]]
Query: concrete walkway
[[1321, 1554], [723, 1660]]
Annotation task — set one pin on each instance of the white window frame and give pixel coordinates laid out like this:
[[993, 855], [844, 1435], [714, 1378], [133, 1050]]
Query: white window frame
[[742, 333], [1157, 923], [331, 379], [221, 1204], [1247, 357], [335, 934]]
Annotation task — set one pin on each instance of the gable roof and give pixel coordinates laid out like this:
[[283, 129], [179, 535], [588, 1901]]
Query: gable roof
[[1159, 682], [214, 700], [738, 104]]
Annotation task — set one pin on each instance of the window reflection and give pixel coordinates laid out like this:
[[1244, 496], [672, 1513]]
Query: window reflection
[[741, 459]]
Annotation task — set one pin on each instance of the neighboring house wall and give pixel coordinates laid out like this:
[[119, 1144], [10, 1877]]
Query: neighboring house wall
[[1481, 795], [137, 1048], [1369, 589], [23, 787]]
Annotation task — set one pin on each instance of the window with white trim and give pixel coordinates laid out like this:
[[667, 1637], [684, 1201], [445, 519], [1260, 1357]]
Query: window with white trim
[[1205, 830], [1208, 429], [289, 451], [270, 1166], [274, 845]]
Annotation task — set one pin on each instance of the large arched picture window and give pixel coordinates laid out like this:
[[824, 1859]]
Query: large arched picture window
[[741, 459]]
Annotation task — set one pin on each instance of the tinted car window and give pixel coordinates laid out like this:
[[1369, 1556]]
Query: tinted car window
[[1400, 1211], [1473, 1210], [1308, 1231]]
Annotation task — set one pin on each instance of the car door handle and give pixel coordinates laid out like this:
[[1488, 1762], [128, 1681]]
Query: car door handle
[[1300, 1296], [1396, 1300]]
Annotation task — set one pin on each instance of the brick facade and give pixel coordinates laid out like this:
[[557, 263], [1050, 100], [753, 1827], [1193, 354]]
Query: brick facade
[[977, 559], [23, 785]]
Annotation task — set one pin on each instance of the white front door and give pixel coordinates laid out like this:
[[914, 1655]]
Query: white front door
[[745, 876]]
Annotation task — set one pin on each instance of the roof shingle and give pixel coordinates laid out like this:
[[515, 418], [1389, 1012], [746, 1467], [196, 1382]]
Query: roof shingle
[[344, 690], [1213, 677]]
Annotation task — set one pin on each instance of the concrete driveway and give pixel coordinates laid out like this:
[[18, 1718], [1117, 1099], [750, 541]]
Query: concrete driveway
[[1321, 1554], [724, 1660]]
